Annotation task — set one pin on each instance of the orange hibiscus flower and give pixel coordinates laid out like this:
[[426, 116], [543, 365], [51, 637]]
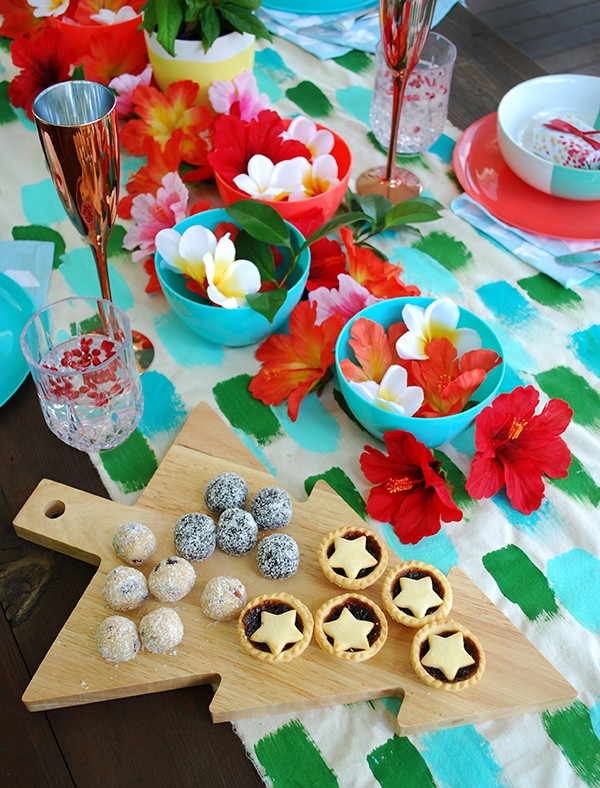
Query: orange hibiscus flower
[[295, 363], [148, 179], [380, 277], [161, 114]]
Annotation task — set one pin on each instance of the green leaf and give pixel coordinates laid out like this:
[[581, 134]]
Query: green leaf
[[260, 253], [149, 16], [375, 206], [418, 209], [267, 303], [78, 72], [341, 220], [261, 222], [244, 21], [169, 16], [211, 26], [252, 5]]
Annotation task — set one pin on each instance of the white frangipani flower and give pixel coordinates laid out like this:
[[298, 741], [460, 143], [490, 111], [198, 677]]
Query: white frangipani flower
[[392, 393], [230, 280], [48, 7], [184, 253], [438, 320], [107, 17], [318, 141], [271, 181], [317, 177]]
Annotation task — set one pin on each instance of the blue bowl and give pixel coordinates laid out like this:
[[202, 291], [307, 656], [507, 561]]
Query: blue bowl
[[430, 431], [229, 327]]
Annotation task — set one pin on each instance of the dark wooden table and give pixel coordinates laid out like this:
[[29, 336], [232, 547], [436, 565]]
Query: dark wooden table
[[167, 738]]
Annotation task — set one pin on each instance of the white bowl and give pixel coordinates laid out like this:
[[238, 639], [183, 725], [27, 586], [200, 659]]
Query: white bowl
[[537, 101]]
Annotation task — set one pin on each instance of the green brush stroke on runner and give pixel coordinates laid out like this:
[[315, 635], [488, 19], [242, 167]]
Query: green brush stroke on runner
[[399, 756], [578, 484], [355, 61], [244, 412], [572, 732], [132, 464], [546, 291], [7, 113], [115, 241], [292, 760], [37, 232], [449, 252], [310, 99], [404, 160], [339, 481], [565, 384], [521, 581], [456, 478]]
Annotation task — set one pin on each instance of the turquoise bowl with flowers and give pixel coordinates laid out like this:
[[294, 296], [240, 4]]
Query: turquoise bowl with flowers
[[230, 327], [430, 431]]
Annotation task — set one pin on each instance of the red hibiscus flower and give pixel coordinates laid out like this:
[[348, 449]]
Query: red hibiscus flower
[[327, 262], [17, 18], [44, 60], [380, 277], [448, 383], [111, 56], [516, 447], [295, 363], [410, 492]]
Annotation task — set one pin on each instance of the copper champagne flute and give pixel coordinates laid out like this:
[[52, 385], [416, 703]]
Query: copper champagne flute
[[78, 128], [404, 28]]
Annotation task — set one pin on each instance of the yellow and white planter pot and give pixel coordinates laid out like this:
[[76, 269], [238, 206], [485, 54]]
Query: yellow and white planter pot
[[228, 56]]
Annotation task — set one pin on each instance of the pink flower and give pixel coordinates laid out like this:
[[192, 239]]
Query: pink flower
[[345, 300], [243, 91], [152, 214], [124, 85]]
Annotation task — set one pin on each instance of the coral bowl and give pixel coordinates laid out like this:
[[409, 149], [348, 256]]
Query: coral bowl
[[430, 431]]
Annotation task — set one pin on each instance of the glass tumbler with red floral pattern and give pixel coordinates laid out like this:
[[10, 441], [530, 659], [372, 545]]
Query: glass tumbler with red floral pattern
[[81, 357]]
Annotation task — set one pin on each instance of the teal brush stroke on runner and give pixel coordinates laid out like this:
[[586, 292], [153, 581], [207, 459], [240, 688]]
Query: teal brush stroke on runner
[[538, 523], [164, 410], [443, 148], [343, 485], [578, 484], [422, 270], [575, 577], [514, 352], [311, 99], [289, 756], [399, 756], [41, 204], [586, 345], [456, 478], [315, 428], [131, 465], [244, 412], [79, 270], [461, 757], [448, 251], [437, 549], [356, 101], [563, 383], [272, 64], [355, 60], [39, 232], [521, 582], [572, 732], [266, 85], [186, 348], [595, 718], [548, 292], [505, 301]]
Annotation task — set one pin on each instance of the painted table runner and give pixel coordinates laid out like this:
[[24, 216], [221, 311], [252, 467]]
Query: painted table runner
[[542, 571]]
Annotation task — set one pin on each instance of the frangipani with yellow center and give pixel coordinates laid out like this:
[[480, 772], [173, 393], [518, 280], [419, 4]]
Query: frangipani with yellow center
[[392, 393], [318, 141], [48, 7], [199, 255], [107, 16], [266, 180], [316, 177], [439, 319]]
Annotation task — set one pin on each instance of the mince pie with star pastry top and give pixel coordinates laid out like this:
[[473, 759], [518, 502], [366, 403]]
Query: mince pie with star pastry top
[[446, 655], [352, 557], [415, 593], [275, 627], [350, 627]]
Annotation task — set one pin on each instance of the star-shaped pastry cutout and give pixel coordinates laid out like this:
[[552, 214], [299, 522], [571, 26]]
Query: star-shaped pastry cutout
[[351, 555], [448, 654], [417, 595], [277, 630], [348, 632]]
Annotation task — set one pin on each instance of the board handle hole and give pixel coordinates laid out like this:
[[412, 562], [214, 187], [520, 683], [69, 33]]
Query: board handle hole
[[55, 509]]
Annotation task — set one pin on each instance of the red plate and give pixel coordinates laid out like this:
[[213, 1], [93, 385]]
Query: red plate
[[485, 176]]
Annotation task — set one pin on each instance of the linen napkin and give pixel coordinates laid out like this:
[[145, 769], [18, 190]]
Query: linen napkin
[[332, 35], [537, 250], [29, 264]]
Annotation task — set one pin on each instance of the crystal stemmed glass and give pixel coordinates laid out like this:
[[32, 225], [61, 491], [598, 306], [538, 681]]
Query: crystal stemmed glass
[[404, 28], [78, 128]]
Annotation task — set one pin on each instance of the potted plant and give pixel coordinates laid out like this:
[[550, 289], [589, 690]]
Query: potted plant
[[201, 40]]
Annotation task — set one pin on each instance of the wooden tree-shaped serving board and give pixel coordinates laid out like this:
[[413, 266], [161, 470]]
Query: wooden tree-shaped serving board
[[517, 679]]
